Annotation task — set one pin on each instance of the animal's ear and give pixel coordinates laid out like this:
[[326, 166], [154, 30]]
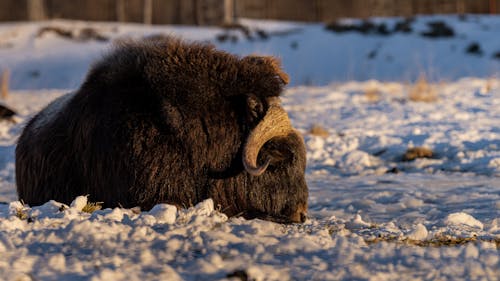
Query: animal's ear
[[255, 108], [273, 64]]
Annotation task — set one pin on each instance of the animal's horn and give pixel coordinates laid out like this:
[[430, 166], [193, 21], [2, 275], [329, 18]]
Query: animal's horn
[[274, 124]]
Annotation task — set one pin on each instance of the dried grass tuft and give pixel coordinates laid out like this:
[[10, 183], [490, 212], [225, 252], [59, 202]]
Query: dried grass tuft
[[317, 130], [373, 95], [21, 213], [423, 91], [417, 152], [92, 207], [488, 86], [4, 85], [438, 241]]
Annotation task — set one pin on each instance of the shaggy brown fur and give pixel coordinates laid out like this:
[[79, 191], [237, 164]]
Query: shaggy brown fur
[[165, 121]]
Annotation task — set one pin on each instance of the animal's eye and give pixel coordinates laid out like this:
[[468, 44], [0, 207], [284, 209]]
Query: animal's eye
[[255, 108]]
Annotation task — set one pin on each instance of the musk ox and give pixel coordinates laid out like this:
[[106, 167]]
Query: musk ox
[[165, 121]]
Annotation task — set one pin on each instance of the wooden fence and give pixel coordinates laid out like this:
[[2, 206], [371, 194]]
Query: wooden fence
[[197, 12], [214, 12], [328, 10]]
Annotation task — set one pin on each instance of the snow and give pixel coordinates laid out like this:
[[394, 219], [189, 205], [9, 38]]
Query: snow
[[164, 213], [418, 233], [463, 219], [79, 203], [310, 53], [372, 216]]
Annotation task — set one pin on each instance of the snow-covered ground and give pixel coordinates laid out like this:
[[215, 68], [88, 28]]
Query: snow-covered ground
[[372, 215]]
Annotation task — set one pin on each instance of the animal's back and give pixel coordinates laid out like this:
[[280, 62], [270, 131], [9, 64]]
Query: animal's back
[[42, 156], [130, 132]]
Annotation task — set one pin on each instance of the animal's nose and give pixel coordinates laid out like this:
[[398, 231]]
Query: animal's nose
[[303, 217], [300, 214]]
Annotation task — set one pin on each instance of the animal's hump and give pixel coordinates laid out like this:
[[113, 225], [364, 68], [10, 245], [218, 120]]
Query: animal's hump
[[170, 65], [159, 59]]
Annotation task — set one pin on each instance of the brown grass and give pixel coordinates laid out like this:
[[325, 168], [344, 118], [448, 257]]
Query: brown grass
[[423, 91], [4, 85], [417, 152], [488, 85], [373, 95], [439, 241], [317, 130], [92, 207], [21, 213]]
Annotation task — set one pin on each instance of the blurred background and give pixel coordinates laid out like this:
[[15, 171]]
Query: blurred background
[[217, 12], [49, 44]]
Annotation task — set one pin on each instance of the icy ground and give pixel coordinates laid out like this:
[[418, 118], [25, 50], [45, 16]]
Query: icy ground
[[372, 216]]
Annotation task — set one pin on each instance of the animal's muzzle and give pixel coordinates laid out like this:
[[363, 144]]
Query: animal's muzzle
[[300, 216], [303, 217]]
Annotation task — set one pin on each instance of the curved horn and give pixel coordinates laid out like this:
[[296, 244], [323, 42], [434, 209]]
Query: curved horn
[[274, 124]]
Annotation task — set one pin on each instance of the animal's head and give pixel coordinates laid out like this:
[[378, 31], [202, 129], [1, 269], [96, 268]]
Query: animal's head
[[273, 154], [274, 157]]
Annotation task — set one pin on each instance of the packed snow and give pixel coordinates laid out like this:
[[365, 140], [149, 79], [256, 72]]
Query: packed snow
[[375, 213]]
